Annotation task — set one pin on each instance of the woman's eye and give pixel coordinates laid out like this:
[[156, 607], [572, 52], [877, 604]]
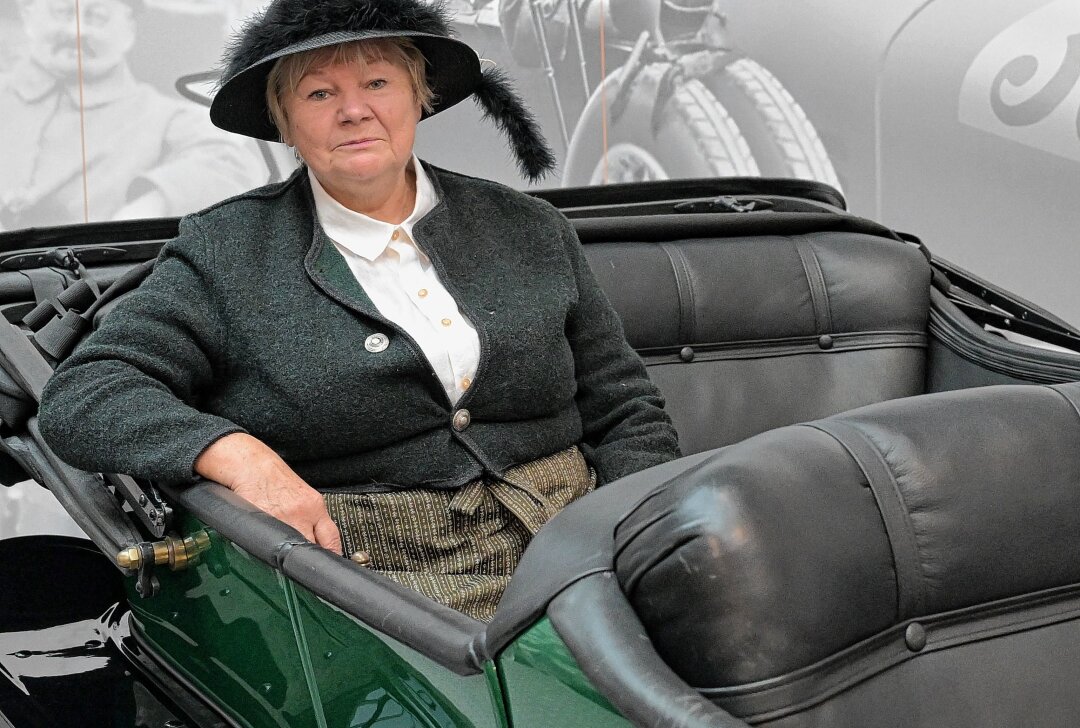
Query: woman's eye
[[377, 83], [319, 94]]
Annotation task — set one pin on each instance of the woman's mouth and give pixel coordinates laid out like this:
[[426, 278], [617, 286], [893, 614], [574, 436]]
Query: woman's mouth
[[358, 144]]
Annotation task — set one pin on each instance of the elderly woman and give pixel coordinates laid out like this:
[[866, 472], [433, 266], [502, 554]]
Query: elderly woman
[[401, 362]]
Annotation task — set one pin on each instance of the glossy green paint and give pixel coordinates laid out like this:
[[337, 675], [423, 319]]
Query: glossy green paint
[[544, 686], [224, 625], [367, 679], [310, 677], [498, 694], [273, 655]]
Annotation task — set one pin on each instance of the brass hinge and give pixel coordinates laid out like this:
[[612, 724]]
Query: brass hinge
[[177, 553]]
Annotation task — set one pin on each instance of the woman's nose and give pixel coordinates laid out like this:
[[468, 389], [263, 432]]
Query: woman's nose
[[354, 106]]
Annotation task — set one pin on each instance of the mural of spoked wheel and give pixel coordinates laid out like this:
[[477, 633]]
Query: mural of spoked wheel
[[783, 140], [691, 136], [737, 122]]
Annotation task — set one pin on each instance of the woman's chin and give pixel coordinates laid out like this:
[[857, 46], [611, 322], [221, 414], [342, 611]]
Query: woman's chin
[[361, 166]]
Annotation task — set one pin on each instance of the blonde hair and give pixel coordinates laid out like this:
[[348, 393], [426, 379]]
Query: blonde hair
[[288, 71]]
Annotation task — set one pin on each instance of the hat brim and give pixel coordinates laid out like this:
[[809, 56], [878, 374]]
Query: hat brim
[[453, 72]]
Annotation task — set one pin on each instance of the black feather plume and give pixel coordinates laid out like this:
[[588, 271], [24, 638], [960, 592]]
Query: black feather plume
[[496, 96], [285, 22]]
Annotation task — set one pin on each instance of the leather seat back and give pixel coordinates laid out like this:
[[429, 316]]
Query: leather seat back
[[744, 334], [921, 554]]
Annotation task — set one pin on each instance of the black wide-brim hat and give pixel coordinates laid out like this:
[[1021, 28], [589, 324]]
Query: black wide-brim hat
[[453, 69]]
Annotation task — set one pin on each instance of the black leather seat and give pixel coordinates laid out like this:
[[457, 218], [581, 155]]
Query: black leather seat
[[911, 563], [744, 334]]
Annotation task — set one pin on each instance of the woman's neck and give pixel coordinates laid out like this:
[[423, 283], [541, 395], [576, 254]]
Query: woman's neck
[[391, 203]]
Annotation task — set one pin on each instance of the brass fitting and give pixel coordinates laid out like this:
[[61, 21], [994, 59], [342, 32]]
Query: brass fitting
[[178, 553]]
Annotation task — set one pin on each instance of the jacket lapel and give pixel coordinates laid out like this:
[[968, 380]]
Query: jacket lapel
[[453, 240], [327, 269], [439, 234]]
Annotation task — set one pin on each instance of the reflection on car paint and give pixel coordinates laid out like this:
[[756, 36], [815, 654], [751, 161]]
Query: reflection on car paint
[[67, 649], [49, 676]]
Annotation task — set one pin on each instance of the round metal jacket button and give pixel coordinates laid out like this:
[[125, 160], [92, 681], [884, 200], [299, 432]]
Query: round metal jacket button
[[461, 420], [376, 343]]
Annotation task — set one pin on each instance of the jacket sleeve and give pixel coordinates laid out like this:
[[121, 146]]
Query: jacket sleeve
[[624, 426], [124, 400]]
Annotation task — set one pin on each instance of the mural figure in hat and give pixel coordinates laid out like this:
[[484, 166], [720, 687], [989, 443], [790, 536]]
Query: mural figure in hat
[[146, 154], [410, 366]]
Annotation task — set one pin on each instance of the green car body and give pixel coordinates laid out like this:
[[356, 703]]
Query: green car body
[[272, 654]]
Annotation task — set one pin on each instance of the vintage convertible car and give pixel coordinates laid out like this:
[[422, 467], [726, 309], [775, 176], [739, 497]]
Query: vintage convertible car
[[874, 523]]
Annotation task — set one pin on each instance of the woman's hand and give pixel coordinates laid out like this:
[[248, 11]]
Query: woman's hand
[[246, 466]]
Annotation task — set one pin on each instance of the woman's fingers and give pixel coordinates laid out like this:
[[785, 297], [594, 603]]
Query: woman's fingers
[[252, 470], [296, 504], [327, 535], [302, 507]]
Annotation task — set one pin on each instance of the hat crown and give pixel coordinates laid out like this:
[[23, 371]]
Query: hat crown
[[286, 23]]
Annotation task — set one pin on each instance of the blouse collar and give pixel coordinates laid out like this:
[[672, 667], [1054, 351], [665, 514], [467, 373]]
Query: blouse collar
[[363, 235]]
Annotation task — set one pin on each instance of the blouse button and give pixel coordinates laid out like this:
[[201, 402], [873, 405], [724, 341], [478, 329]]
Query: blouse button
[[422, 293], [446, 322], [396, 234], [466, 383]]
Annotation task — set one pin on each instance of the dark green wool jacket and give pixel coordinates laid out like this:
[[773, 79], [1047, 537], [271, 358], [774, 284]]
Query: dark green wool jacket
[[252, 321]]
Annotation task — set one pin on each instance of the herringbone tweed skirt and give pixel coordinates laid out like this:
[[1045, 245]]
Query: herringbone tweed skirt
[[460, 547]]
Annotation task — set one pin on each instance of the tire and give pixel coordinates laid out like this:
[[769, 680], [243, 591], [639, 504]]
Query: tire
[[695, 137], [781, 137]]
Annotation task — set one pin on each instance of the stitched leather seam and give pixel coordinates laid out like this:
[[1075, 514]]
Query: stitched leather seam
[[815, 279], [825, 304], [794, 346], [693, 318], [807, 687], [910, 600], [684, 284]]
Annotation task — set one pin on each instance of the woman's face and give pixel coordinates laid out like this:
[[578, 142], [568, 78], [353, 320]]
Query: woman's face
[[354, 125]]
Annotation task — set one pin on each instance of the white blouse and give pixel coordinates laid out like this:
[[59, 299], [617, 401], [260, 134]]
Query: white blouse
[[402, 283]]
